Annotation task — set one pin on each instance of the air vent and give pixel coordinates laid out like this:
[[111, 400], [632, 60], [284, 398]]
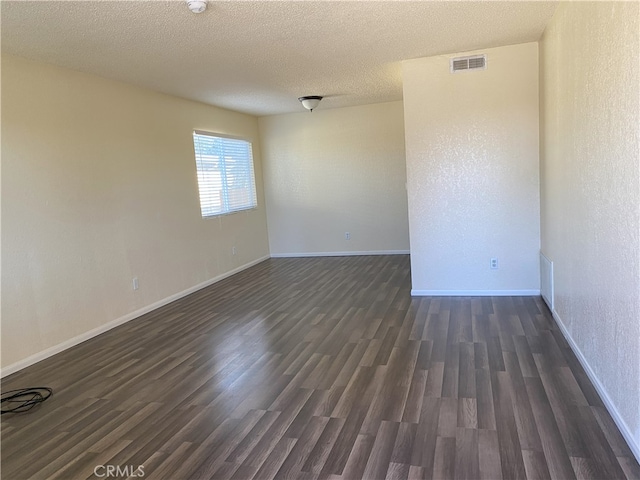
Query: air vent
[[546, 280], [476, 62]]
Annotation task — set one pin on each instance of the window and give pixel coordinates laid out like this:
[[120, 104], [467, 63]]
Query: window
[[225, 174]]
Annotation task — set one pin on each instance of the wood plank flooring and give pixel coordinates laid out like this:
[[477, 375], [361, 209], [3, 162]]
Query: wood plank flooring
[[320, 368]]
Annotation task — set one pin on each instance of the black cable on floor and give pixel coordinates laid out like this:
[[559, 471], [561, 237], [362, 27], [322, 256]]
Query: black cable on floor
[[23, 399]]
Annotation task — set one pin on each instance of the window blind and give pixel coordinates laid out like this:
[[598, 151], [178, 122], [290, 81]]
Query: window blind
[[225, 174]]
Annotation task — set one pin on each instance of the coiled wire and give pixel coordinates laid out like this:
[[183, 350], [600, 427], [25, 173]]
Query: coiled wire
[[24, 399]]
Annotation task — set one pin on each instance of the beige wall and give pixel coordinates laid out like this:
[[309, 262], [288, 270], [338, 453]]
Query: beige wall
[[99, 186], [334, 171], [472, 173], [591, 194]]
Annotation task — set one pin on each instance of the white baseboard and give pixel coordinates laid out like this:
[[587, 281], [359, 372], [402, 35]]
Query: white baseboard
[[474, 293], [339, 254], [35, 358], [608, 403]]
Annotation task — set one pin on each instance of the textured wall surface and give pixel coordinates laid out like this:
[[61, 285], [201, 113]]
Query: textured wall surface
[[472, 172], [334, 171], [99, 186], [590, 192]]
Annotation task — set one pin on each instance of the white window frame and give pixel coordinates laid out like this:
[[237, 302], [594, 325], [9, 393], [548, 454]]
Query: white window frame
[[221, 187]]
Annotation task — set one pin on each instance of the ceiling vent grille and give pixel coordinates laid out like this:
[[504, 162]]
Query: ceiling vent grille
[[475, 62]]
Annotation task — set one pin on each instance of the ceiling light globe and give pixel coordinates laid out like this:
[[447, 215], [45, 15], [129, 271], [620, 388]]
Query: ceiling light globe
[[310, 102]]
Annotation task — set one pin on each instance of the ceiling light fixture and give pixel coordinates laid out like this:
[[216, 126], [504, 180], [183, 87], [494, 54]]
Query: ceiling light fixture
[[310, 102], [197, 6]]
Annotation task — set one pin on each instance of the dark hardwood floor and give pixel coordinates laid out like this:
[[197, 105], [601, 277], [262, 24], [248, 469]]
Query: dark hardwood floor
[[320, 368]]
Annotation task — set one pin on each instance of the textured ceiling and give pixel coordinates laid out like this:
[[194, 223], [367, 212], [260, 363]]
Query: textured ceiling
[[259, 56]]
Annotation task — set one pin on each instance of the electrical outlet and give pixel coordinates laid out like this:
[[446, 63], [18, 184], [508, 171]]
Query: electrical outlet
[[135, 283], [494, 264], [347, 236], [233, 250]]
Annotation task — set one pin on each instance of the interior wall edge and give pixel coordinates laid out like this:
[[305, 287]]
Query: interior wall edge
[[49, 352], [604, 396], [474, 293], [340, 254]]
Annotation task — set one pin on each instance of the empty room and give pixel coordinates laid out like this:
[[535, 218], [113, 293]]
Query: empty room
[[320, 240]]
